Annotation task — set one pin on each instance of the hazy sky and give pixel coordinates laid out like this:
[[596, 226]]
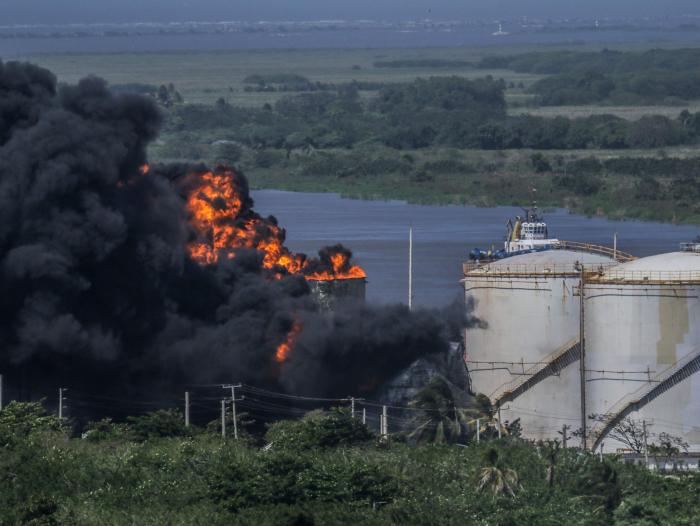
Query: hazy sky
[[65, 11]]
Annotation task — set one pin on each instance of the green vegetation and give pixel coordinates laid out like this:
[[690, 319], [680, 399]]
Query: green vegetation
[[657, 76], [380, 124], [323, 469]]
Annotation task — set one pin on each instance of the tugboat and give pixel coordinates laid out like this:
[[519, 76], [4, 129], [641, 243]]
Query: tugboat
[[525, 234]]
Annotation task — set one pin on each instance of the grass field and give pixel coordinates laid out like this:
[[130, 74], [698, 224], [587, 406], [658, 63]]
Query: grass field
[[206, 76]]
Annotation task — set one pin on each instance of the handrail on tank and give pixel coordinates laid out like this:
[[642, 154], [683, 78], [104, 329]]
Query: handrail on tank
[[632, 401], [646, 276], [620, 257], [524, 269]]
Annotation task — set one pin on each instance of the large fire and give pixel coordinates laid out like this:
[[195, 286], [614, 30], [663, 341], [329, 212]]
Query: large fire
[[284, 349], [221, 216]]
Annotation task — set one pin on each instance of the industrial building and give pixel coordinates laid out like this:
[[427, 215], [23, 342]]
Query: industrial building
[[640, 322]]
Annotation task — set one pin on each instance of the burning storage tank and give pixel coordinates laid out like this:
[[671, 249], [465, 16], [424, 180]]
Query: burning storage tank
[[328, 293], [642, 334], [526, 358]]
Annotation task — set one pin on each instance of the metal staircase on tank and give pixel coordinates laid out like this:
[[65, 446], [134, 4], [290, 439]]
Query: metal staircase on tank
[[662, 382], [564, 356]]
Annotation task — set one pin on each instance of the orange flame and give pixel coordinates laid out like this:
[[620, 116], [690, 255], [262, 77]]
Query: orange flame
[[284, 349], [223, 223], [144, 169], [341, 270]]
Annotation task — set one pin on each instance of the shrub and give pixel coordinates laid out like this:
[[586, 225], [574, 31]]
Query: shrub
[[318, 429], [163, 423]]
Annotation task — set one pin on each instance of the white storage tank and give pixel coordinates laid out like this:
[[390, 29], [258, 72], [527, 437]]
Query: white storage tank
[[525, 357], [642, 333]]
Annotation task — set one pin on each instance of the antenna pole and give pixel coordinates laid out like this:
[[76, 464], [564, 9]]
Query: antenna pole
[[410, 268]]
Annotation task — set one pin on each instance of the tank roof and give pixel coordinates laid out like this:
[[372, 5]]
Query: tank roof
[[545, 262], [672, 261], [549, 258]]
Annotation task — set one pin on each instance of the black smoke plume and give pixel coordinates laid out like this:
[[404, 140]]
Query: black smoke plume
[[98, 292]]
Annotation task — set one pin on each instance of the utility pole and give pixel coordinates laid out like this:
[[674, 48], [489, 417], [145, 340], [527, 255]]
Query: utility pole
[[564, 438], [582, 359], [646, 446], [410, 268], [364, 415], [233, 407], [61, 390], [602, 445], [385, 423], [187, 409], [352, 408], [223, 418], [478, 430], [615, 246]]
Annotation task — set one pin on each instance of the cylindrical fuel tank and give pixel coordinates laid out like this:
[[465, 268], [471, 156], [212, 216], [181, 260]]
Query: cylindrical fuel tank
[[642, 326], [529, 314]]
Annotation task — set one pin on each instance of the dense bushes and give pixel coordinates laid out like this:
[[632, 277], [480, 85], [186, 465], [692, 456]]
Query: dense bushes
[[602, 62], [46, 479], [439, 111], [613, 77], [631, 89]]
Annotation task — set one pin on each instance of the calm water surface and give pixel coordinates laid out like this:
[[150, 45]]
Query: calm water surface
[[377, 232], [360, 38]]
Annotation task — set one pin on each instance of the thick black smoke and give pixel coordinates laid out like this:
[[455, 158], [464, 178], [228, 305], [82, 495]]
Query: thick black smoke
[[98, 293]]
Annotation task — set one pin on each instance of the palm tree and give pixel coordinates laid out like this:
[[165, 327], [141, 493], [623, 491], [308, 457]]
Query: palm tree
[[500, 480], [438, 419]]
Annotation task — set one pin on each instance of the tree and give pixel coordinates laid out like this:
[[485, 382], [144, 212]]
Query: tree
[[629, 432], [540, 163], [499, 479], [157, 424], [438, 419], [668, 446], [318, 429], [550, 452]]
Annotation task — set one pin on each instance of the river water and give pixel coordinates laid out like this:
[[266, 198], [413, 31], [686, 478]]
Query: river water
[[340, 38], [377, 233]]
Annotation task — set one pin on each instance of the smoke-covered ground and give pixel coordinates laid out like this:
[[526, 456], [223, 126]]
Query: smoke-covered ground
[[99, 291]]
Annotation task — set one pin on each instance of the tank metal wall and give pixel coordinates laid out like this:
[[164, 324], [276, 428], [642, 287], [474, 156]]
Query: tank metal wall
[[632, 328], [527, 319]]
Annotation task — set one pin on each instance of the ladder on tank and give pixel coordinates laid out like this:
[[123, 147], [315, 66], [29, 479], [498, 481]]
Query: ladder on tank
[[564, 356], [659, 384]]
